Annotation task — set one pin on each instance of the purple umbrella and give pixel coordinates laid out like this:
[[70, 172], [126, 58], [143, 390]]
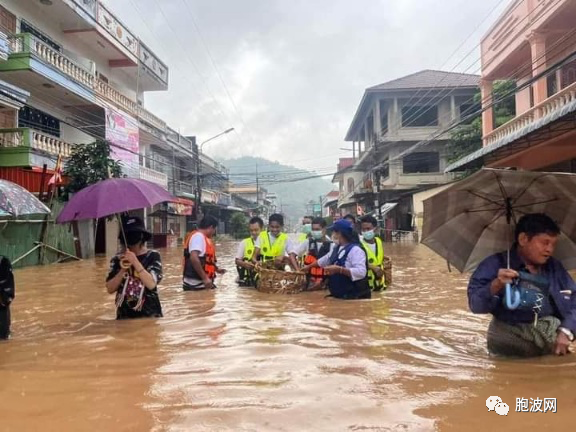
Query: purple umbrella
[[113, 196]]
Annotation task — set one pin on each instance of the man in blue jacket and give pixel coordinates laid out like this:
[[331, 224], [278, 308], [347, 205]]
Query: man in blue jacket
[[551, 326]]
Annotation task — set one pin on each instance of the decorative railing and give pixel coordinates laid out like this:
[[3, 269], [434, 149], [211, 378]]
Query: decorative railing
[[50, 144], [154, 176], [153, 64], [28, 44], [543, 109], [12, 137], [151, 119], [108, 92], [117, 30], [26, 137]]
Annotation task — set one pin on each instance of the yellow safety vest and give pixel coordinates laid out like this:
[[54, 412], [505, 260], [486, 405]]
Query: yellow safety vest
[[270, 252], [302, 237], [248, 249], [375, 259]]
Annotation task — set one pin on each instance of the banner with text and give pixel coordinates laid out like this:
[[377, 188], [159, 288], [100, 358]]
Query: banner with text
[[122, 132]]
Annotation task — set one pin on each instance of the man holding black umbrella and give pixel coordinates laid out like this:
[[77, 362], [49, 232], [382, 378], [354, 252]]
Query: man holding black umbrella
[[542, 318]]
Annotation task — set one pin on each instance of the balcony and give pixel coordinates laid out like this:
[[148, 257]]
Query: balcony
[[31, 54], [154, 176], [23, 147], [549, 110]]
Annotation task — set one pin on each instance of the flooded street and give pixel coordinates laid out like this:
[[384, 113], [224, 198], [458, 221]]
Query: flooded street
[[412, 359]]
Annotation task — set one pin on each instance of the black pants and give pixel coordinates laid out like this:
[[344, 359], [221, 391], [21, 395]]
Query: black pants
[[4, 322]]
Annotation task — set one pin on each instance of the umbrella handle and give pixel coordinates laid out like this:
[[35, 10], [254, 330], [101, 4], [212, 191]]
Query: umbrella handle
[[512, 304]]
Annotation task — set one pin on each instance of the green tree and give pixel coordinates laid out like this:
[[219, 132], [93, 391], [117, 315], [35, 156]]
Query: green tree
[[467, 138], [239, 225], [89, 164]]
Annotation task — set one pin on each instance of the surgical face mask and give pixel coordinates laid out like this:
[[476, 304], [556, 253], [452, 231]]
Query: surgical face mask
[[317, 235], [307, 228], [369, 235]]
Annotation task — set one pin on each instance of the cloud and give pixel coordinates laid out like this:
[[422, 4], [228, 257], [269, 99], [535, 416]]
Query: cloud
[[296, 69]]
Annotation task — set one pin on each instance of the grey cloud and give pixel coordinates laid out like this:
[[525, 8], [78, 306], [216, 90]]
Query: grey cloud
[[317, 57]]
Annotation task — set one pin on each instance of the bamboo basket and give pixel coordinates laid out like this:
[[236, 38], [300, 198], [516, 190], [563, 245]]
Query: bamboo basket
[[280, 282], [387, 270]]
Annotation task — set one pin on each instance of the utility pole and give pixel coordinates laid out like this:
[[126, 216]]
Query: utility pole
[[198, 198], [257, 187]]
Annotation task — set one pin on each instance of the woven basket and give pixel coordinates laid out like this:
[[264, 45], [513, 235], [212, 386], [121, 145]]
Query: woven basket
[[387, 270], [280, 282]]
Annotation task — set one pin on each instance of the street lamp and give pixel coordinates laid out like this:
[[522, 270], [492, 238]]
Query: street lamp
[[227, 131], [198, 194]]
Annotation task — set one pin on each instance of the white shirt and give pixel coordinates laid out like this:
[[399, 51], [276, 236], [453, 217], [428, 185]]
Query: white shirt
[[355, 261], [197, 244]]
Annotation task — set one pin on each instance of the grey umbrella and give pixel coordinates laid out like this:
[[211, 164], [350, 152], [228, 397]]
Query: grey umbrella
[[476, 217], [15, 201]]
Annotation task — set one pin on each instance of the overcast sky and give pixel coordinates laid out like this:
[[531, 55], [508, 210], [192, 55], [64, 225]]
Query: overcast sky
[[295, 69]]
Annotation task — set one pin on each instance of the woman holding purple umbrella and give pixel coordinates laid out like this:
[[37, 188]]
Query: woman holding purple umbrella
[[135, 274]]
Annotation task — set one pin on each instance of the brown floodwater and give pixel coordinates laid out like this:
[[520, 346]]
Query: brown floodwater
[[411, 359]]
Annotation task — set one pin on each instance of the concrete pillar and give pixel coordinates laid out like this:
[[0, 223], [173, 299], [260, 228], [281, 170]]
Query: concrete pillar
[[366, 135], [487, 114], [394, 120], [453, 113], [377, 119], [539, 63], [523, 97]]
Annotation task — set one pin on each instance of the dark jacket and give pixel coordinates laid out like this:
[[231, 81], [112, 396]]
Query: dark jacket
[[481, 301]]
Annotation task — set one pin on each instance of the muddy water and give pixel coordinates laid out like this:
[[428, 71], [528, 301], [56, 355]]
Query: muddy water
[[233, 359]]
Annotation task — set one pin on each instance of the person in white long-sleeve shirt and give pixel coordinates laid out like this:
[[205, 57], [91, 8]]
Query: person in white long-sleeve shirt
[[346, 264]]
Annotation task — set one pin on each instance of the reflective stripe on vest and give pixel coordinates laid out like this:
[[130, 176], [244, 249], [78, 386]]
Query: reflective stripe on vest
[[248, 249], [375, 259], [269, 252], [208, 261]]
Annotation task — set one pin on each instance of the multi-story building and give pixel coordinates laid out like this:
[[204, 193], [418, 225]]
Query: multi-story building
[[87, 75], [532, 43], [349, 179], [392, 118]]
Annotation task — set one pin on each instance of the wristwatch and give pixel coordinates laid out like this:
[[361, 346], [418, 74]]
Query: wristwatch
[[567, 333]]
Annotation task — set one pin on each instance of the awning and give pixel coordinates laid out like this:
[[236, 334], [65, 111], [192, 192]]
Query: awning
[[180, 206], [385, 209]]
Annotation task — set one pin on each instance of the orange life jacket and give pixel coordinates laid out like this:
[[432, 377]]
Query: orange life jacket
[[208, 261]]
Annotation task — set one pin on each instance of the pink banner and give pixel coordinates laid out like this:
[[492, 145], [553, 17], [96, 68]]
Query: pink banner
[[122, 133]]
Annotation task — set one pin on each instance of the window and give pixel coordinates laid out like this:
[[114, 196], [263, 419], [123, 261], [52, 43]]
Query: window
[[421, 162], [420, 116], [25, 27], [469, 112], [36, 119], [350, 185]]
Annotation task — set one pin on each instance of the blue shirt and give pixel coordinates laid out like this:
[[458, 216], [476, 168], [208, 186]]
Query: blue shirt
[[560, 304]]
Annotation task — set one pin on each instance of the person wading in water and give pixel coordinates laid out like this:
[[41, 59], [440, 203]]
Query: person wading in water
[[346, 265], [245, 253], [135, 274], [545, 326], [200, 263]]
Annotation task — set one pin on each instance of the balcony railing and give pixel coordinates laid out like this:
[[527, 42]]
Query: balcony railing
[[26, 137], [546, 108], [28, 44], [154, 176]]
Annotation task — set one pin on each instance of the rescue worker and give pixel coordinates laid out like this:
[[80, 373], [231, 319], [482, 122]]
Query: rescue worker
[[345, 266], [374, 251], [352, 219], [306, 229], [273, 245], [200, 263], [310, 251], [246, 253]]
